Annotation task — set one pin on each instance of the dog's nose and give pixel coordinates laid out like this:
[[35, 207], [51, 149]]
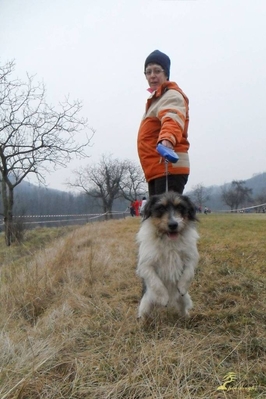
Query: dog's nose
[[172, 225]]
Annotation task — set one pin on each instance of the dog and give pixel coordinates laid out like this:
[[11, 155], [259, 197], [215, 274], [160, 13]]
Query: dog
[[168, 254]]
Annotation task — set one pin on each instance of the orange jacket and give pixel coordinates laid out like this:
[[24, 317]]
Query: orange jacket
[[166, 117]]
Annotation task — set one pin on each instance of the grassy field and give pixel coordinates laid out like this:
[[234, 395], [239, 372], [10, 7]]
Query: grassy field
[[68, 327]]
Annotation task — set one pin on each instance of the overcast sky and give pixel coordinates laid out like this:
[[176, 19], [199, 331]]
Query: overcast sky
[[94, 50]]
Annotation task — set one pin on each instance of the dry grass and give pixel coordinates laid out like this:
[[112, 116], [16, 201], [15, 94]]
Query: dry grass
[[68, 317]]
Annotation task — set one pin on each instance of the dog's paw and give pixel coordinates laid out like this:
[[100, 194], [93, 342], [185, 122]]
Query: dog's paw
[[146, 306], [185, 314], [182, 288], [160, 296], [163, 301], [184, 305], [182, 291]]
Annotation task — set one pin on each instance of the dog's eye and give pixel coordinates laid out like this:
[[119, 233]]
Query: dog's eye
[[160, 209], [180, 209]]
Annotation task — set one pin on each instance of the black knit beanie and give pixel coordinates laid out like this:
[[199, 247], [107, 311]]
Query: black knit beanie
[[157, 57]]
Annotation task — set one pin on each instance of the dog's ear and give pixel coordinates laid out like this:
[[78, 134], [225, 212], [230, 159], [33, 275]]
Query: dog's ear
[[191, 208], [149, 206]]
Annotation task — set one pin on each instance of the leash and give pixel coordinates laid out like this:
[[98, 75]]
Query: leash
[[169, 155], [166, 174]]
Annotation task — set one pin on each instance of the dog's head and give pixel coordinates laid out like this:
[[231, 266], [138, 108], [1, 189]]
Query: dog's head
[[170, 213]]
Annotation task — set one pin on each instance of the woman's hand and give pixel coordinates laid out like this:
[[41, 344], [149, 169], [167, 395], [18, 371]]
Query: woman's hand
[[167, 143]]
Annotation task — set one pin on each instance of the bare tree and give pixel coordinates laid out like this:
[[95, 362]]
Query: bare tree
[[108, 180], [133, 184], [34, 136], [200, 195], [236, 194]]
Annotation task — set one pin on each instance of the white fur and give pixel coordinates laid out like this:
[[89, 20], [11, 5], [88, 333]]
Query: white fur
[[167, 267]]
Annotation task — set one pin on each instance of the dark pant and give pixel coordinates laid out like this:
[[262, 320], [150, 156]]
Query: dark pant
[[175, 183]]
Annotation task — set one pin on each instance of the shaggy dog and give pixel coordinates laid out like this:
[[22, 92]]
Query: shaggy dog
[[168, 253]]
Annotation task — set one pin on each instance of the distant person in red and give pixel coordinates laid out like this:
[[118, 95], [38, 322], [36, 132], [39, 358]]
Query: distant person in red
[[136, 205]]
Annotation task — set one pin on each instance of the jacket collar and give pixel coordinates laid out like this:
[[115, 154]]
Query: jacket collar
[[163, 88]]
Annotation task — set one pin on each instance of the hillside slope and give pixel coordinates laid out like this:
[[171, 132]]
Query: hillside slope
[[69, 328]]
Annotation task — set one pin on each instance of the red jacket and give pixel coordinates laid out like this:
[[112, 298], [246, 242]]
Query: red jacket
[[166, 117]]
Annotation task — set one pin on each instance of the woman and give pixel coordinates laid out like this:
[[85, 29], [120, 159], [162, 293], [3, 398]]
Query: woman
[[165, 121]]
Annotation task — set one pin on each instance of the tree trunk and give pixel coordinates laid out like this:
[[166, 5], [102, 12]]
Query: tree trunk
[[8, 230], [8, 200]]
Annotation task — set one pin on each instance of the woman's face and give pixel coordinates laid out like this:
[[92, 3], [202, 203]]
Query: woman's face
[[155, 75]]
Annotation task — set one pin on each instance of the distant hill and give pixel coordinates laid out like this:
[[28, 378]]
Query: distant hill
[[257, 183]]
